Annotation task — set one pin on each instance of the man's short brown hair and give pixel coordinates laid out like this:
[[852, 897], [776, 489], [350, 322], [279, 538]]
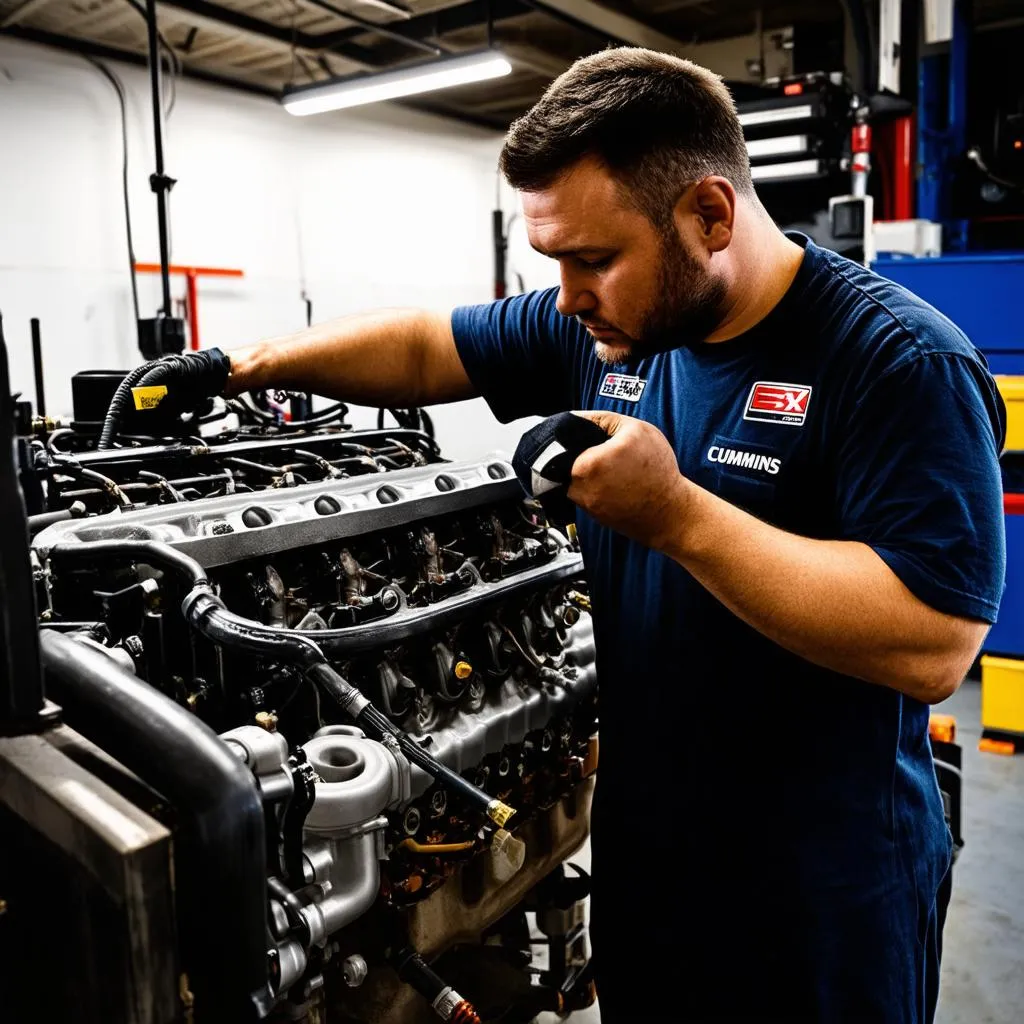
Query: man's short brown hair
[[657, 122]]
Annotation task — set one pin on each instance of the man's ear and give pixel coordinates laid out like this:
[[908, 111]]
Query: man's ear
[[708, 208]]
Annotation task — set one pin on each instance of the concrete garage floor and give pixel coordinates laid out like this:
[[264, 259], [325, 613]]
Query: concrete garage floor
[[983, 952], [983, 956]]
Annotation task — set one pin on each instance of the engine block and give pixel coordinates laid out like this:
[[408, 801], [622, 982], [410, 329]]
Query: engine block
[[455, 611]]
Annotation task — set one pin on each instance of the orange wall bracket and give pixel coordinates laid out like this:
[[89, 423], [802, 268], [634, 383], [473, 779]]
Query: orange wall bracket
[[192, 275]]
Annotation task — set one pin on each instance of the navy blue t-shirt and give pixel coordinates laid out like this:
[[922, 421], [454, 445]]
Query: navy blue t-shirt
[[853, 411]]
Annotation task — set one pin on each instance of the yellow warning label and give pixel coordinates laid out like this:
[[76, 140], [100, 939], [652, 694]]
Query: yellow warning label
[[149, 398]]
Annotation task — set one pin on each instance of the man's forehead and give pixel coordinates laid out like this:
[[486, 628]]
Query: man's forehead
[[582, 209]]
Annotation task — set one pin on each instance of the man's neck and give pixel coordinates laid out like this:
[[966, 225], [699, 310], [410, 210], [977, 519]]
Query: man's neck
[[764, 267]]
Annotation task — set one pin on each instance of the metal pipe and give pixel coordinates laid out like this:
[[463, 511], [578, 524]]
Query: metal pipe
[[220, 845], [159, 182], [381, 30], [37, 366], [193, 308], [500, 242], [903, 168]]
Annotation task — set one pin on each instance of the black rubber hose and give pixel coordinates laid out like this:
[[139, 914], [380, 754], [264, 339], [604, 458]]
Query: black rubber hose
[[119, 406], [336, 412], [68, 465], [45, 519], [207, 614], [415, 971], [373, 722], [202, 608], [220, 852], [152, 552]]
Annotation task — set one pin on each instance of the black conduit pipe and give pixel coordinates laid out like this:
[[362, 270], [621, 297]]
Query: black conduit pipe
[[119, 405], [220, 845], [37, 366]]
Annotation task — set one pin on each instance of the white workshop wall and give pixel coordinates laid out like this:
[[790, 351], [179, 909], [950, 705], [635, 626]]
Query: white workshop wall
[[379, 206]]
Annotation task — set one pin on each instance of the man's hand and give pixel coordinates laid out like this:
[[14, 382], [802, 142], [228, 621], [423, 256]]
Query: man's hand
[[632, 482]]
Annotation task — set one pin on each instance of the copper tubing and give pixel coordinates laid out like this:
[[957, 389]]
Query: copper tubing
[[411, 844]]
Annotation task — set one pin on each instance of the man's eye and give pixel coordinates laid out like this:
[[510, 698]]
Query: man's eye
[[597, 264]]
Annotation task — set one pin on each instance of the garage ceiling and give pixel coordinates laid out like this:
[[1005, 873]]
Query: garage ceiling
[[268, 45]]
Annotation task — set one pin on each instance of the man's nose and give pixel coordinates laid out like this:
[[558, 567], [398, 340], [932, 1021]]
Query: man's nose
[[573, 300]]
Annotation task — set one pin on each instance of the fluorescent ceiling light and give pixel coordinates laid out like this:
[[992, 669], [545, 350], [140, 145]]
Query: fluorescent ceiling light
[[795, 169], [773, 114], [392, 85], [782, 145]]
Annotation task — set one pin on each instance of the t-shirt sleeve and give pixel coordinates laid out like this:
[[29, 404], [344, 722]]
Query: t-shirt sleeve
[[919, 481], [519, 353]]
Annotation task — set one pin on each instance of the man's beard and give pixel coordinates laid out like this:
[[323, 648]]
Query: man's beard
[[687, 307]]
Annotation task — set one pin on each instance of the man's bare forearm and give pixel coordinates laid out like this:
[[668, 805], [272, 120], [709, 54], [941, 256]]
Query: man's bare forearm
[[396, 357], [835, 603]]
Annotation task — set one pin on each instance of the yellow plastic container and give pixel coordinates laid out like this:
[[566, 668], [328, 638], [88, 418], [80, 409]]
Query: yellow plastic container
[[1002, 694], [1012, 390]]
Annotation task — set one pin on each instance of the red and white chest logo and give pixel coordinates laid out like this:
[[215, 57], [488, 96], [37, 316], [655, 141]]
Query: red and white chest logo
[[771, 402]]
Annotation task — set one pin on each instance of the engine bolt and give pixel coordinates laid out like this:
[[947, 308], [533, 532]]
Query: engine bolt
[[133, 645], [411, 821], [504, 766], [439, 801], [354, 970], [546, 740], [463, 670], [389, 599], [570, 615]]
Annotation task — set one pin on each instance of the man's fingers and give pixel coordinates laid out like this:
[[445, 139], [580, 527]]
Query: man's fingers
[[609, 422], [583, 462]]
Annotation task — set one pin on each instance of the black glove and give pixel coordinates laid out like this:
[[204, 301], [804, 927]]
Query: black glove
[[159, 392], [545, 456], [193, 376], [191, 379]]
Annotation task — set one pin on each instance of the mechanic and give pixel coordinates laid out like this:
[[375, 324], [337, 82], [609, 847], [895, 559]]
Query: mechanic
[[793, 537]]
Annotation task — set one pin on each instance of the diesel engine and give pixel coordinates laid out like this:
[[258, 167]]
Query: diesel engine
[[353, 682]]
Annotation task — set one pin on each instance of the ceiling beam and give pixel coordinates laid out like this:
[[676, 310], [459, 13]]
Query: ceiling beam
[[232, 27], [243, 24], [381, 30], [22, 11], [87, 48], [603, 21], [338, 41], [90, 49], [434, 24]]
